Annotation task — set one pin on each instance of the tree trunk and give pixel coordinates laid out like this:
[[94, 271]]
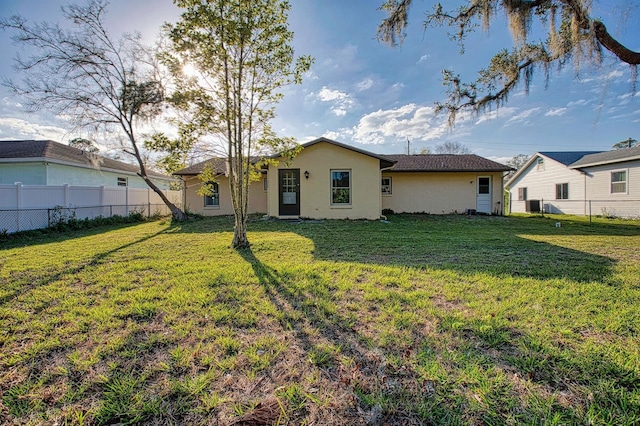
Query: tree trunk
[[240, 233], [176, 213]]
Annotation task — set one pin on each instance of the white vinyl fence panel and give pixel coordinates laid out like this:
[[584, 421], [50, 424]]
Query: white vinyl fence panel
[[25, 207]]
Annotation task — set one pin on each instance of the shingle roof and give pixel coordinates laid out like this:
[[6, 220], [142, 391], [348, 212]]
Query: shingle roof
[[57, 152], [218, 164], [567, 157], [615, 156], [445, 163]]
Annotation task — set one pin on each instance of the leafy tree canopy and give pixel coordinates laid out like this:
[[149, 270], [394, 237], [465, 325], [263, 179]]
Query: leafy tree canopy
[[573, 34]]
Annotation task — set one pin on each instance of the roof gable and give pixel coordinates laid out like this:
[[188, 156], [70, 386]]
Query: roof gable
[[385, 160], [64, 154], [567, 157]]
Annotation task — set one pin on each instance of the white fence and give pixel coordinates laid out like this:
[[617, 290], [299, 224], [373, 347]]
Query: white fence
[[25, 207]]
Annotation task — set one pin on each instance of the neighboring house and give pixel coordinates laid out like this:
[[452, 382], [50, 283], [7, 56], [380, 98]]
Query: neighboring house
[[582, 183], [331, 180], [51, 163]]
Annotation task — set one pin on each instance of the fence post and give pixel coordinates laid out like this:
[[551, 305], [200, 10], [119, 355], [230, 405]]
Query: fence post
[[589, 211], [66, 195], [18, 205], [542, 206]]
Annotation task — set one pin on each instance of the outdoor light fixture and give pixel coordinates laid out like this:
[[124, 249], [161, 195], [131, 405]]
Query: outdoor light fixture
[[306, 174]]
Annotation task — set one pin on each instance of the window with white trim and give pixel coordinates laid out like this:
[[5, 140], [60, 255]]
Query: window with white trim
[[386, 185], [122, 181], [522, 194], [540, 163], [340, 187], [213, 200], [619, 182], [562, 191]]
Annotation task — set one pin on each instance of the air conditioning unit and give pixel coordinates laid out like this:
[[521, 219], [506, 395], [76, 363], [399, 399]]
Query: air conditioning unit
[[532, 206]]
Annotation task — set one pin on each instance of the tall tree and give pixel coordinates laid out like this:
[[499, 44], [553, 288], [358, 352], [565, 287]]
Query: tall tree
[[517, 161], [85, 74], [230, 58], [451, 147], [628, 143], [572, 33]]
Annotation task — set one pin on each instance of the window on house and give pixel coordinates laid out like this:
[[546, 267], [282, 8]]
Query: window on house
[[540, 164], [386, 186], [562, 191], [213, 200], [122, 181], [340, 186], [619, 182], [522, 194], [265, 183]]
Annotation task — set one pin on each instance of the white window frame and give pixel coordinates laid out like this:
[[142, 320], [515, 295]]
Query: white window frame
[[333, 188], [624, 183], [387, 189], [122, 181], [540, 164], [215, 196], [522, 193], [564, 191]]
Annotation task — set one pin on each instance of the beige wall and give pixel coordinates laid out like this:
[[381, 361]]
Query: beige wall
[[315, 192], [438, 193], [195, 203]]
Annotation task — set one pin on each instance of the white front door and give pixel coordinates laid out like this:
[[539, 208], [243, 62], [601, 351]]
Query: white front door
[[483, 195]]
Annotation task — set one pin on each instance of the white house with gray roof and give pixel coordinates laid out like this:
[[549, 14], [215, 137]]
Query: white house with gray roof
[[45, 162], [579, 182]]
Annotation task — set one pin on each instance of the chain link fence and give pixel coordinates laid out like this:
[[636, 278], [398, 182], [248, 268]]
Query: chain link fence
[[626, 209], [12, 221]]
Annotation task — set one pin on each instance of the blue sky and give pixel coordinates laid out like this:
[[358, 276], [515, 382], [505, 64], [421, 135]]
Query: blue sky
[[374, 97]]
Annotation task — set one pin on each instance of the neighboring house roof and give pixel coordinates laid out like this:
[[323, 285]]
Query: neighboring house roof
[[567, 157], [55, 152], [608, 157], [562, 157], [445, 163]]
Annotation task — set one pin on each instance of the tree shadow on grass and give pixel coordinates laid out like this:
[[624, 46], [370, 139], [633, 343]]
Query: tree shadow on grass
[[25, 281], [450, 365], [479, 245]]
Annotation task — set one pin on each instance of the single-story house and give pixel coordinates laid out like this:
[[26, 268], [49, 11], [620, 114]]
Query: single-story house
[[45, 162], [579, 182], [332, 180]]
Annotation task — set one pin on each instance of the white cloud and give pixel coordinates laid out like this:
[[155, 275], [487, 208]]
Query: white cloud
[[579, 102], [555, 112], [408, 121], [424, 58], [522, 117], [494, 114], [16, 129], [365, 84], [341, 101]]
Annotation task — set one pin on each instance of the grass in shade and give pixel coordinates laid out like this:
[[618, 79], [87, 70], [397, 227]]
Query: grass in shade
[[421, 320]]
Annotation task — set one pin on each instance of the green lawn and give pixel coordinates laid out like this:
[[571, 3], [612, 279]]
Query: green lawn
[[423, 320]]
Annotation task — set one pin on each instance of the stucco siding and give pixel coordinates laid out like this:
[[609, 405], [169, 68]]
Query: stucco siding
[[541, 185], [315, 192], [26, 173], [195, 202], [439, 193]]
